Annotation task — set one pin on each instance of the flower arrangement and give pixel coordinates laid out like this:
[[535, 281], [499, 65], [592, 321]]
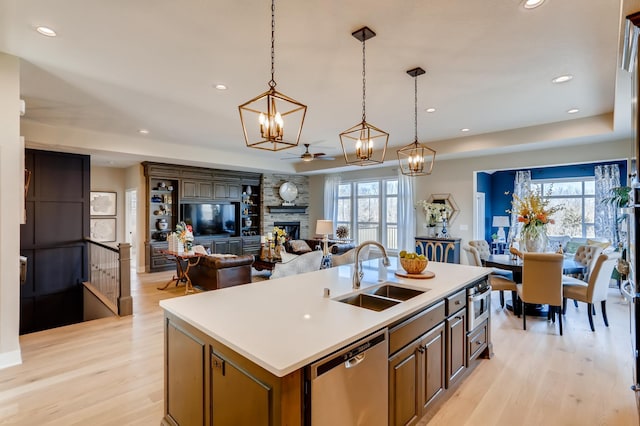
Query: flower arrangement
[[434, 212], [533, 212], [184, 233], [279, 235]]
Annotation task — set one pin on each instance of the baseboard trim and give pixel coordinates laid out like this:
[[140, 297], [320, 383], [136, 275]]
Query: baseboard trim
[[9, 359]]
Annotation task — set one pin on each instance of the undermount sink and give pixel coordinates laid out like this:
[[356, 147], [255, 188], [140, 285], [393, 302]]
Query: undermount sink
[[395, 292], [382, 297]]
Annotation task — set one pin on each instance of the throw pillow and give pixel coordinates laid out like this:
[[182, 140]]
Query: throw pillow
[[299, 246]]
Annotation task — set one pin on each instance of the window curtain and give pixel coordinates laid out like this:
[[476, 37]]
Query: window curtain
[[521, 187], [606, 178], [406, 213], [331, 183]]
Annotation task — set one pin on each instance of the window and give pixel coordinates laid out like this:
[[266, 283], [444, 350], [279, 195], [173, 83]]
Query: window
[[577, 196], [370, 207]]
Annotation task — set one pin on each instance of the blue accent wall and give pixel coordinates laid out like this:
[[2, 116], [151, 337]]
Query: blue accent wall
[[495, 185]]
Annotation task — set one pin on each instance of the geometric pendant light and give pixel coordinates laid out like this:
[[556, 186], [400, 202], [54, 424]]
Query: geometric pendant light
[[272, 121], [364, 144], [416, 159]]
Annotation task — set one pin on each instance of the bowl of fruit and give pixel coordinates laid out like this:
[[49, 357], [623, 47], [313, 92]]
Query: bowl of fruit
[[413, 263]]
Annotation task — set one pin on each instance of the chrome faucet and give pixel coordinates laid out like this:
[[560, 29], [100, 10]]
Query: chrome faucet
[[357, 273]]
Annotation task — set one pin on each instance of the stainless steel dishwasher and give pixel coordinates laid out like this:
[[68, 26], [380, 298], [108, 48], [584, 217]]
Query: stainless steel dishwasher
[[350, 386]]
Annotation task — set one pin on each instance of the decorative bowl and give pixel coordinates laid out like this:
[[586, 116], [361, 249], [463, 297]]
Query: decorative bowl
[[413, 266]]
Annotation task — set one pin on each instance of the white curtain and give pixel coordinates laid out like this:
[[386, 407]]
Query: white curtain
[[331, 183], [606, 178], [521, 187], [406, 213]]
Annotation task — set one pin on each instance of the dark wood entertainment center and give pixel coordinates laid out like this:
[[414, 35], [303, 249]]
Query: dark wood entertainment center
[[169, 186]]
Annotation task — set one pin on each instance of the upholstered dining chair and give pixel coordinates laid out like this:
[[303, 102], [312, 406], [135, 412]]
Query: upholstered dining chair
[[587, 255], [541, 283], [498, 282], [482, 247], [593, 291]]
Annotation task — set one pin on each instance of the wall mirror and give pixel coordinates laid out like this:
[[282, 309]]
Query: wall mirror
[[449, 201]]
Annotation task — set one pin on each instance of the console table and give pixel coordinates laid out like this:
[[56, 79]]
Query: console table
[[424, 245]]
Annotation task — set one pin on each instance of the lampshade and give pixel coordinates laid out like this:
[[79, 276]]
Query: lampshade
[[501, 221], [324, 227]]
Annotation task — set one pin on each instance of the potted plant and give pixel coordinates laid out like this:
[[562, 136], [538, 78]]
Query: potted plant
[[494, 237]]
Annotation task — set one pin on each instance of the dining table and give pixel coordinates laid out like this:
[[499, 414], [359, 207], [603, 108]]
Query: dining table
[[514, 264]]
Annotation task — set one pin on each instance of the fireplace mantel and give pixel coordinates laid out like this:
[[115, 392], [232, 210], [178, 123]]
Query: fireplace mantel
[[287, 209]]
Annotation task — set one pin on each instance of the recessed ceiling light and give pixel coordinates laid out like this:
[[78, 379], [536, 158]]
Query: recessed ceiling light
[[220, 87], [46, 31], [143, 131], [532, 4], [430, 110], [572, 111], [464, 130], [562, 78]]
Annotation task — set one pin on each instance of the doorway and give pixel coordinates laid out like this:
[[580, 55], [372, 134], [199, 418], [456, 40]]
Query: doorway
[[130, 232]]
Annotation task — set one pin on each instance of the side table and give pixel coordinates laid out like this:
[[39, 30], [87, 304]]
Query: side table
[[183, 272]]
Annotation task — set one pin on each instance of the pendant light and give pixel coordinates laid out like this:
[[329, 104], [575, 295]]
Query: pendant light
[[416, 159], [364, 144], [264, 117]]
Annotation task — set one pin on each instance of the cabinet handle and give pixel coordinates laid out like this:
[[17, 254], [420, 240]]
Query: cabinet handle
[[457, 302], [421, 349], [478, 342], [458, 318]]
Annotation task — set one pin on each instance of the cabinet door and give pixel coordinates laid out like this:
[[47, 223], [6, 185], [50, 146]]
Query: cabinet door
[[456, 346], [238, 398], [220, 190], [235, 246], [220, 246], [184, 381], [205, 190], [189, 189], [403, 386], [432, 368], [234, 190]]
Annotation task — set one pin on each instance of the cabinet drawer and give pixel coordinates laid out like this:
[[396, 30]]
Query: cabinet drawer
[[161, 262], [477, 341], [456, 301], [415, 326], [155, 250]]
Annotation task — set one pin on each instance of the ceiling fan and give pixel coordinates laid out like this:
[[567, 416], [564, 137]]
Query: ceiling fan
[[307, 156]]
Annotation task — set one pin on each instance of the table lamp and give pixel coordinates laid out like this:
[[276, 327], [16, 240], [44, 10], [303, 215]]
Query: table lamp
[[324, 228], [501, 222]]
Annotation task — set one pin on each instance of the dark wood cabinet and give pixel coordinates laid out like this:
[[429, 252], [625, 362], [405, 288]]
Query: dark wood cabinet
[[169, 186], [197, 189], [416, 377], [456, 346]]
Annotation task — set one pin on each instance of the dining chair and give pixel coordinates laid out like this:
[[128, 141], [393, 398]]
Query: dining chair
[[541, 284], [593, 291], [587, 255], [498, 282]]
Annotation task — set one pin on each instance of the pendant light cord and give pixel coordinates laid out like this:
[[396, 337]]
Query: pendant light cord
[[364, 82], [415, 108], [272, 83]]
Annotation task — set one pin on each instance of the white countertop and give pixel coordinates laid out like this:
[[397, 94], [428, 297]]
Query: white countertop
[[285, 324]]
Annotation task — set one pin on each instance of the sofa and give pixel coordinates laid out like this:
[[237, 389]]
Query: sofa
[[297, 246], [216, 271], [571, 244]]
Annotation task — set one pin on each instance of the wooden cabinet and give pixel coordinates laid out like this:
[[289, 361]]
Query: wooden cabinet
[[162, 207], [201, 373], [197, 189], [226, 246], [439, 249], [416, 377], [456, 333], [250, 209]]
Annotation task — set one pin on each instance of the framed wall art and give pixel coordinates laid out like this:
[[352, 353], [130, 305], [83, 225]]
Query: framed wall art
[[103, 229], [102, 203]]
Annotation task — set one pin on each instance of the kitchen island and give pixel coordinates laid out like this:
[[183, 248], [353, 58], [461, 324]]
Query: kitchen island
[[242, 354]]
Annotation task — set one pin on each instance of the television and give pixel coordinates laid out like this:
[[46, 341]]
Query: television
[[212, 218]]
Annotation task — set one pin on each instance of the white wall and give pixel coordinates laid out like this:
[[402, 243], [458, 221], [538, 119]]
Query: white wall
[[135, 180], [11, 200]]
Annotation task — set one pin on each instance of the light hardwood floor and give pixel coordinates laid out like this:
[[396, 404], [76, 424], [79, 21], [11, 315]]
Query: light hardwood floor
[[109, 371]]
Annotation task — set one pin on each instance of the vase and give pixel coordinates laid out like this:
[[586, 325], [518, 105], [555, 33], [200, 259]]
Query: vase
[[534, 239]]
